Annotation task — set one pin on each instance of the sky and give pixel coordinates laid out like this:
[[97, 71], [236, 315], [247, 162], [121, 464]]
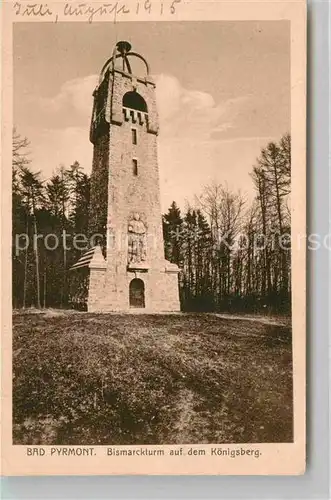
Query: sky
[[222, 89]]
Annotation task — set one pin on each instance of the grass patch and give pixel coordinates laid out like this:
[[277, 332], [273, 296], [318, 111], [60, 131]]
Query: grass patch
[[88, 379]]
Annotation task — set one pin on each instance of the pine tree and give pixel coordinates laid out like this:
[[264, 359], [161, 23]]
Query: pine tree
[[173, 234], [32, 196]]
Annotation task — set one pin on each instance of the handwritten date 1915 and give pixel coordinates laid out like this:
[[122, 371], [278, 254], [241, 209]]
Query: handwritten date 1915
[[89, 12]]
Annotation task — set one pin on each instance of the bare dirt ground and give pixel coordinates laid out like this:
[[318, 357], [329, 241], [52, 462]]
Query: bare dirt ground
[[83, 378]]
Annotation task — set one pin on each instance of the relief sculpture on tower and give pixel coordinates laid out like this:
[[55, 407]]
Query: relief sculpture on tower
[[136, 240]]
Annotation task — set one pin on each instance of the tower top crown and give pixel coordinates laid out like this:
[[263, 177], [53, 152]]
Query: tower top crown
[[120, 61]]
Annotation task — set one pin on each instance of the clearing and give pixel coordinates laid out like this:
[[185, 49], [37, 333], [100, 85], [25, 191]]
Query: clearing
[[92, 379]]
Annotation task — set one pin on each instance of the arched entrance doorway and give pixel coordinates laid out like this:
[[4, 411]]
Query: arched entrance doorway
[[137, 293]]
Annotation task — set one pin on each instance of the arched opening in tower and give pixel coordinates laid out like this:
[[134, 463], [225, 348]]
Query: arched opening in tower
[[137, 293], [133, 100]]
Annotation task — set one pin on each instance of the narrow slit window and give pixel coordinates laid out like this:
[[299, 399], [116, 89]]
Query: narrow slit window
[[134, 136], [135, 166]]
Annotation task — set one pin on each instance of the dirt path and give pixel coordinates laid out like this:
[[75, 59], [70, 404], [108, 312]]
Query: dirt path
[[181, 430], [265, 320], [258, 319]]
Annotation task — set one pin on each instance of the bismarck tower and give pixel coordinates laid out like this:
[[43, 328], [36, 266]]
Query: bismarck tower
[[125, 211]]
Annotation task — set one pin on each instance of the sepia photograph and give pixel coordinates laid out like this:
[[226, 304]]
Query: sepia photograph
[[154, 212], [151, 260]]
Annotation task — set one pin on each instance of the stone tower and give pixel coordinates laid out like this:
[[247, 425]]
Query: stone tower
[[125, 211]]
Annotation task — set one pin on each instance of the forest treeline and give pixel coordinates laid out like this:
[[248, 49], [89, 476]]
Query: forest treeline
[[45, 207], [234, 255]]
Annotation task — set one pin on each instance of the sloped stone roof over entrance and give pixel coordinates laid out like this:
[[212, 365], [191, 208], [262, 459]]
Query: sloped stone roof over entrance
[[92, 258]]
